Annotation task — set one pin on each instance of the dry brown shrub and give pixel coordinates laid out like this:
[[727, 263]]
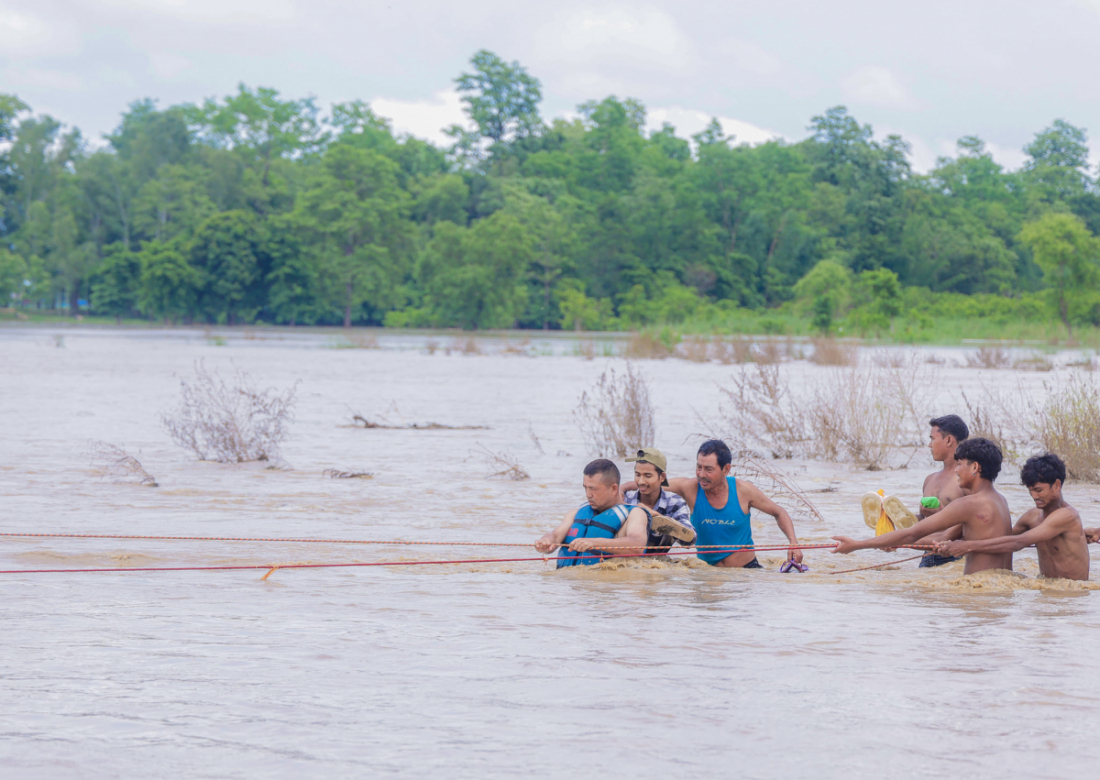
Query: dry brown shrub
[[368, 341], [694, 348], [761, 405], [861, 414], [793, 350], [118, 464], [1002, 418], [1035, 362], [830, 352], [647, 346], [891, 358], [430, 346], [855, 417], [736, 350], [230, 421], [989, 357], [338, 474], [1068, 424], [467, 347], [767, 353], [615, 415], [516, 349], [501, 464], [586, 349]]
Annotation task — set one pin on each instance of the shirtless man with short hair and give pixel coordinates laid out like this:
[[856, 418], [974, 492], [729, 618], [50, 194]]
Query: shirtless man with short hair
[[983, 514], [946, 434], [1053, 526]]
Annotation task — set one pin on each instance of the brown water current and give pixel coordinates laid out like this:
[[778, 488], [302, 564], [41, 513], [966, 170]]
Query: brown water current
[[628, 669]]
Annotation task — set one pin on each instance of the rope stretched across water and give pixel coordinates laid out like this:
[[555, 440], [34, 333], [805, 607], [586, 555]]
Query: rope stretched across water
[[292, 540], [272, 567]]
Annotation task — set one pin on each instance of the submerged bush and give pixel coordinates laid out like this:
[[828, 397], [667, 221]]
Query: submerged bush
[[1069, 425], [230, 421], [859, 414], [616, 415]]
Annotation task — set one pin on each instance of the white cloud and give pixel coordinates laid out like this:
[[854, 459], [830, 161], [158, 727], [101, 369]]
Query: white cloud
[[168, 65], [45, 78], [423, 118], [1011, 158], [26, 34], [604, 50], [874, 85], [689, 121], [751, 57], [218, 11]]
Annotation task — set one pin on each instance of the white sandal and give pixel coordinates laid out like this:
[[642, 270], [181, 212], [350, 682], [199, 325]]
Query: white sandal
[[898, 513], [871, 503]]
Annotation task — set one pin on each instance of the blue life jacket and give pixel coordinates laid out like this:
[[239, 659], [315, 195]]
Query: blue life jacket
[[589, 525]]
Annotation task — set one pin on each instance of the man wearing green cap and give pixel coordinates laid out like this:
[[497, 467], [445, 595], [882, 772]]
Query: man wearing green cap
[[671, 519]]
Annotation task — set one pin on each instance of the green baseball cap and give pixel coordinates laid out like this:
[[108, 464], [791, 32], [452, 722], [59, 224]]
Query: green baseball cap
[[654, 456]]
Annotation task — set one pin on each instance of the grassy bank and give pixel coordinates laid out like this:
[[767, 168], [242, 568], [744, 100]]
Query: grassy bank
[[941, 329]]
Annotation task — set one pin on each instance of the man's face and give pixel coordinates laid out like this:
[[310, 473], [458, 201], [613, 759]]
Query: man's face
[[968, 473], [940, 444], [648, 478], [1044, 494], [600, 494], [708, 472]]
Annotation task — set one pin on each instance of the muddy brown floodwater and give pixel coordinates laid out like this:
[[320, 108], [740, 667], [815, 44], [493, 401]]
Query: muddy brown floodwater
[[490, 670]]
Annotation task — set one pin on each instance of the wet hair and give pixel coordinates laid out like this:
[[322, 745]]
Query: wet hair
[[1046, 468], [604, 469], [718, 449], [952, 425], [983, 452]]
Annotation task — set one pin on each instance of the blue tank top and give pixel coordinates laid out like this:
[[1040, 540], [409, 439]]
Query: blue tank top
[[728, 526]]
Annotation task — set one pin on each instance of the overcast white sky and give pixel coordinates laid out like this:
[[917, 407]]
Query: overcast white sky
[[931, 71]]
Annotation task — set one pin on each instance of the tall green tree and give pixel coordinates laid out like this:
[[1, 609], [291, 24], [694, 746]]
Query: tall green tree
[[170, 286], [501, 98], [475, 278], [226, 250], [1070, 258], [1058, 161], [116, 283], [357, 216]]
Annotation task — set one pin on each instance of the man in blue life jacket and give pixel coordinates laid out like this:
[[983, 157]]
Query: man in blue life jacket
[[720, 506], [601, 526]]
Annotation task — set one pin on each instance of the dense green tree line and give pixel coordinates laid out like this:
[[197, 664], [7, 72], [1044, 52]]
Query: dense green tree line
[[258, 208]]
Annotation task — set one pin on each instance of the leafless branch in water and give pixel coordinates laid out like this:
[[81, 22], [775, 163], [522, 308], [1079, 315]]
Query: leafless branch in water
[[359, 421], [338, 474], [500, 464], [535, 439], [119, 465]]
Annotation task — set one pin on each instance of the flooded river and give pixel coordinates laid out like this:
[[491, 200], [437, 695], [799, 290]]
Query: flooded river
[[479, 670]]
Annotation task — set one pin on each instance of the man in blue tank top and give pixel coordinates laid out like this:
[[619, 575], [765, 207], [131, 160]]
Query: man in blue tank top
[[720, 506], [602, 525]]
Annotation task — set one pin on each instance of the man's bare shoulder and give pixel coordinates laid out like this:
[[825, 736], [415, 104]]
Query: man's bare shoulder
[[1031, 518], [982, 502], [1065, 514], [949, 489]]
